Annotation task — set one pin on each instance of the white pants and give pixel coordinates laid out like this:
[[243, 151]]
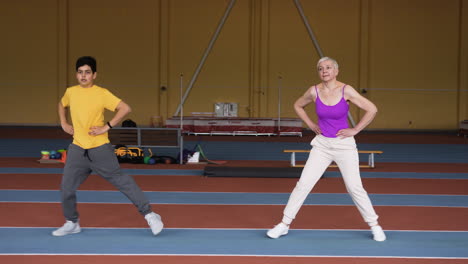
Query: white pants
[[344, 153]]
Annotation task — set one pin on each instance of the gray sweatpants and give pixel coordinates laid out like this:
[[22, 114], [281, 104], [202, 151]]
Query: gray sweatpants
[[102, 160]]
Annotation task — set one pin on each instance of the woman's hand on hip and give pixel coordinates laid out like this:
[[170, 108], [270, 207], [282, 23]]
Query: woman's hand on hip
[[347, 132], [316, 129]]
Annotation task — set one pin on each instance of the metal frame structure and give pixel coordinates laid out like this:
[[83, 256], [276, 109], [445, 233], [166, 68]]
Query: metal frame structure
[[205, 55], [213, 40]]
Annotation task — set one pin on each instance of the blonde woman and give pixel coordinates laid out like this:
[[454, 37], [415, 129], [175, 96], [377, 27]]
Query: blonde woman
[[334, 141]]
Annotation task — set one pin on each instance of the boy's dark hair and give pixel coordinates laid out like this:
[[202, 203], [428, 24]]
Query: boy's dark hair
[[86, 60]]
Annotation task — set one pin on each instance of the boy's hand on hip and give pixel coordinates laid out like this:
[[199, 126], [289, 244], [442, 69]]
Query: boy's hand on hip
[[98, 130], [68, 129]]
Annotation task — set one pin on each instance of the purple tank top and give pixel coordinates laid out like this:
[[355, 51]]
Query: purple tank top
[[332, 118]]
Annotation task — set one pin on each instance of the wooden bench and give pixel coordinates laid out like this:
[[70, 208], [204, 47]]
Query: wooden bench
[[371, 162]]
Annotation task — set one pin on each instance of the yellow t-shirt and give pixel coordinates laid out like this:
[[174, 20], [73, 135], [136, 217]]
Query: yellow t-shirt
[[87, 109]]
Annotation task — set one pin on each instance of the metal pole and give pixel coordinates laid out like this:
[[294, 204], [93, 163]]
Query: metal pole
[[316, 44], [205, 55], [280, 78], [181, 161], [350, 117], [309, 29]]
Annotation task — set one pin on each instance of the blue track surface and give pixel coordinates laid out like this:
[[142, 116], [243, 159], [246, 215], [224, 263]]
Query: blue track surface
[[426, 244], [222, 150], [403, 175], [245, 242], [236, 198]]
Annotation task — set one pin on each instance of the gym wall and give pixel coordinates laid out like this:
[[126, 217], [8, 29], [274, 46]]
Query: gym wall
[[410, 57]]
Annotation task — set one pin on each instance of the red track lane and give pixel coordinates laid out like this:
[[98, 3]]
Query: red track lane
[[244, 216], [217, 184], [235, 216], [78, 259], [380, 167]]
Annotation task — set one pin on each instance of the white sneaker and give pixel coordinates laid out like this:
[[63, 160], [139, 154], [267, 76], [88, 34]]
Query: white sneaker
[[279, 230], [154, 221], [68, 228], [378, 233]]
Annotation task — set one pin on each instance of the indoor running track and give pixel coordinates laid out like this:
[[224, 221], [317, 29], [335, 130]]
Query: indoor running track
[[214, 220]]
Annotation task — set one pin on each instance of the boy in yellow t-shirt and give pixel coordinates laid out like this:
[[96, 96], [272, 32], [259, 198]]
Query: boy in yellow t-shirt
[[91, 150]]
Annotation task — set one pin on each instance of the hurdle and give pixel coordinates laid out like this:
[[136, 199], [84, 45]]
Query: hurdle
[[370, 163]]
